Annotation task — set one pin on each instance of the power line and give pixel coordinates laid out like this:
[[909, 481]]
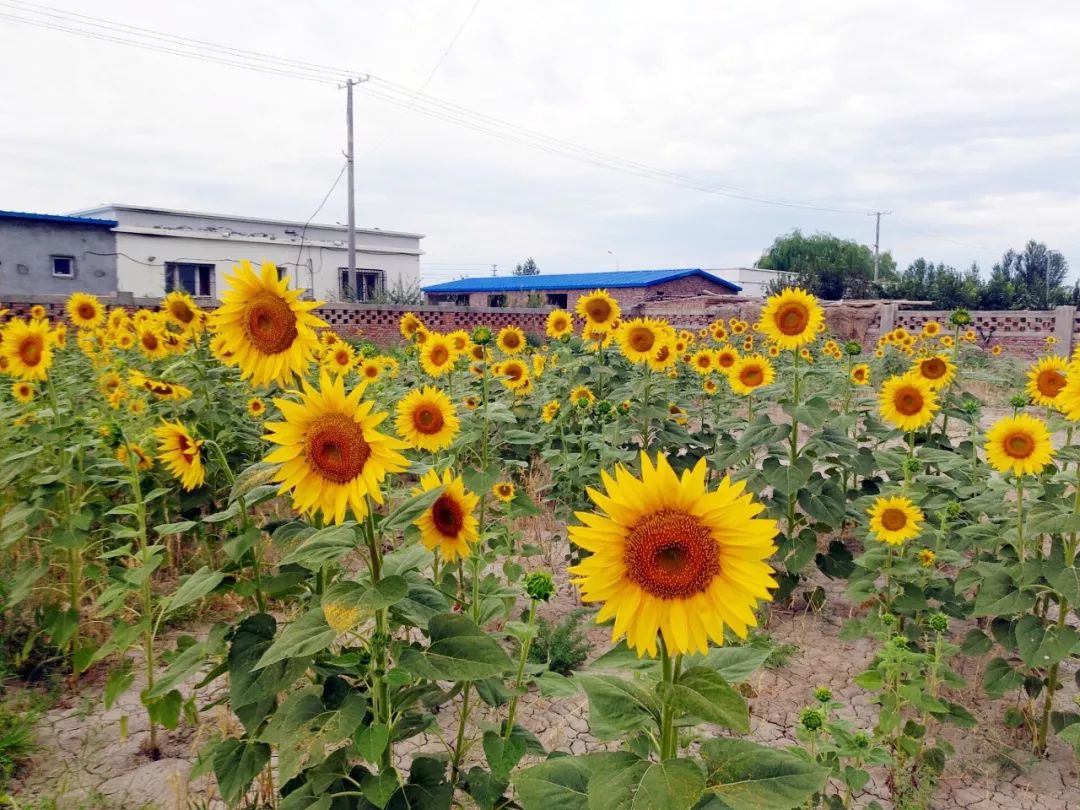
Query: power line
[[449, 47], [202, 50]]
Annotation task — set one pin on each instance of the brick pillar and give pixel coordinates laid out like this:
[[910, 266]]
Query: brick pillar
[[888, 318], [1063, 329]]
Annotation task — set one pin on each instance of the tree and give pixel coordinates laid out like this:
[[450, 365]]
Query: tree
[[826, 265], [527, 268], [1036, 276]]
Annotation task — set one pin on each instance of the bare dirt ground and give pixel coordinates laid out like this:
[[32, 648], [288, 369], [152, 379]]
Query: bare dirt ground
[[84, 763]]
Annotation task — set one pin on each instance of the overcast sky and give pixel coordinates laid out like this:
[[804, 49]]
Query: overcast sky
[[962, 118]]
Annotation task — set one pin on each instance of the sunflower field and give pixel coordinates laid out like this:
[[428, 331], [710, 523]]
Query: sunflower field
[[368, 541]]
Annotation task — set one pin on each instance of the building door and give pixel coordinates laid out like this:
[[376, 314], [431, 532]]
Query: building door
[[194, 279]]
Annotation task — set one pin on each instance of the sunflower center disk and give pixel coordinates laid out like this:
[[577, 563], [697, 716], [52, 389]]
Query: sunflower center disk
[[439, 355], [893, 519], [671, 555], [336, 448], [642, 339], [933, 369], [30, 350], [182, 312], [447, 516], [87, 312], [1019, 445], [428, 419], [271, 324], [909, 402], [792, 319], [751, 377], [599, 311], [1051, 383]]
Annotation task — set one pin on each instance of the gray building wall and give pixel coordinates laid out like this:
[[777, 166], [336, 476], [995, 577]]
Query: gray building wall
[[26, 248]]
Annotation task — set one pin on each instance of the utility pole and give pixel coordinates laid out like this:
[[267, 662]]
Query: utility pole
[[877, 239], [349, 160], [494, 269]]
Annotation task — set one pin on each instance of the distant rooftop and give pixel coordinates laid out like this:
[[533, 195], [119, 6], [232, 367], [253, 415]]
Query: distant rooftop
[[612, 280], [71, 220], [260, 220]]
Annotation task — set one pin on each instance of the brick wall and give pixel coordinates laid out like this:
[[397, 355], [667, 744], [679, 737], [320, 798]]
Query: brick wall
[[1020, 333]]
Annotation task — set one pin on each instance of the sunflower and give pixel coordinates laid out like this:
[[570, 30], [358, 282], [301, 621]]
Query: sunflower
[[514, 374], [23, 391], [664, 357], [449, 524], [504, 491], [719, 333], [426, 419], [860, 374], [340, 358], [559, 324], [709, 386], [181, 454], [510, 340], [599, 310], [268, 329], [85, 311], [109, 382], [159, 388], [181, 309], [37, 312], [256, 408], [947, 341], [143, 462], [151, 341], [27, 348], [996, 350], [437, 355], [907, 402], [421, 335], [703, 361], [410, 323], [472, 403], [937, 371], [539, 363], [895, 520], [479, 354], [669, 556], [725, 358], [792, 318], [369, 370], [677, 414], [751, 373], [638, 337], [927, 557], [737, 326], [1046, 379], [460, 340], [829, 347], [1020, 444], [581, 393], [550, 411], [136, 406], [331, 456], [931, 328]]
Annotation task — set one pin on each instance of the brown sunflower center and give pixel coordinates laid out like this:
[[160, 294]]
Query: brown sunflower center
[[726, 360], [31, 349], [270, 324], [86, 311], [505, 490], [371, 371], [641, 338], [1050, 383], [662, 354], [188, 449], [893, 519], [336, 448], [514, 371], [559, 324], [511, 340], [181, 311], [934, 368], [909, 401], [752, 376], [598, 310], [428, 419], [792, 318], [447, 515], [859, 373], [671, 555], [149, 341], [1018, 445], [703, 362], [341, 358], [440, 355]]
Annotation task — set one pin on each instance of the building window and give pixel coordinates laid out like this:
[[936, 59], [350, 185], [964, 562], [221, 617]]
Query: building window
[[365, 285], [557, 300], [498, 300], [194, 279], [63, 266]]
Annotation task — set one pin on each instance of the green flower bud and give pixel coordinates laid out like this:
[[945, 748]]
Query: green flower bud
[[970, 406], [853, 348], [960, 317], [954, 510], [823, 694], [481, 336], [604, 408], [862, 740], [913, 465], [539, 586], [899, 642], [1019, 400], [888, 619], [939, 622], [811, 719]]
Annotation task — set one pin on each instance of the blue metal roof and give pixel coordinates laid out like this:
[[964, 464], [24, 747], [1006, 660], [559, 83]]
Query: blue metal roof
[[102, 223], [612, 280]]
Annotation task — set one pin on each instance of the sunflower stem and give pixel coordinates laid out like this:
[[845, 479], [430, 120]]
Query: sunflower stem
[[670, 669], [380, 689], [1021, 550], [256, 548], [793, 451], [459, 743], [645, 410], [520, 678]]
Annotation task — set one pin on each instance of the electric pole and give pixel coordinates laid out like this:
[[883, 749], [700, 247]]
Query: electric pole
[[349, 156], [494, 269], [877, 239]]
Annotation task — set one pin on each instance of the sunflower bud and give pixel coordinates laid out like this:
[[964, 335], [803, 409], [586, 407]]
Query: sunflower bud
[[960, 317], [898, 642], [970, 406], [539, 586], [823, 694], [913, 466], [481, 336], [888, 619], [811, 719], [1019, 400], [853, 348], [862, 740], [939, 622]]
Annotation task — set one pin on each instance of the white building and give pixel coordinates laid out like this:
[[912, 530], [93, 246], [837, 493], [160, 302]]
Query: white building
[[753, 280], [160, 250]]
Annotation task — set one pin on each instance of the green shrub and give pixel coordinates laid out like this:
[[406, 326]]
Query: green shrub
[[16, 740], [563, 646]]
